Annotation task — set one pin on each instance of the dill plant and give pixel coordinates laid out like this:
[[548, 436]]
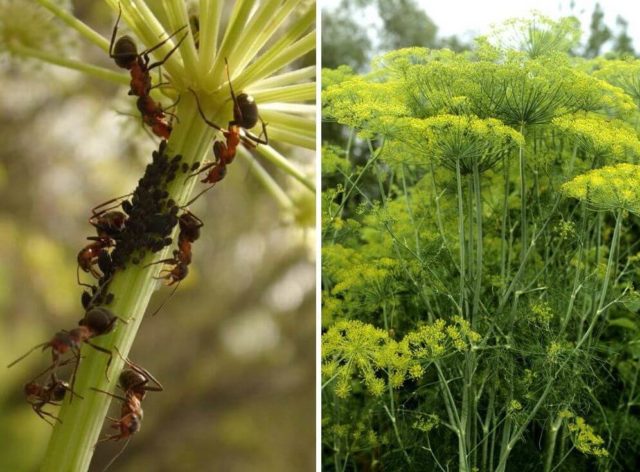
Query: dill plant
[[480, 252], [261, 40]]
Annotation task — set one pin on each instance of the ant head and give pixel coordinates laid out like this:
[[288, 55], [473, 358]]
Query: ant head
[[245, 112], [99, 320], [31, 389], [135, 421], [125, 52]]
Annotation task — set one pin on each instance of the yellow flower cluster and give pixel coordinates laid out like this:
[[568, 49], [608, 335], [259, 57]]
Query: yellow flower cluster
[[541, 313], [557, 349], [583, 435], [514, 406], [426, 422], [467, 139], [608, 188], [621, 73], [601, 137], [362, 104], [355, 349]]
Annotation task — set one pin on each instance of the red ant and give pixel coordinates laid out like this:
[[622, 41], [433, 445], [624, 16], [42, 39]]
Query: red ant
[[125, 54], [109, 224], [52, 393], [133, 381], [96, 322], [245, 117], [190, 226]]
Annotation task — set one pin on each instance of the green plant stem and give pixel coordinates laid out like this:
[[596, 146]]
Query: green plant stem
[[479, 246], [504, 265], [550, 443], [585, 337], [93, 36], [72, 443], [94, 71], [461, 242], [523, 201]]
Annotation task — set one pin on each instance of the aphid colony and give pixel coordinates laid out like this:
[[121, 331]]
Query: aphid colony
[[124, 236], [130, 227]]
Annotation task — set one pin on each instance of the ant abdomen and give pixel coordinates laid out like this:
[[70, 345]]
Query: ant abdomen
[[125, 52], [99, 320], [246, 113]]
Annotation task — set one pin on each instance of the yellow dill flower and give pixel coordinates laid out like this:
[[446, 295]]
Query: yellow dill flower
[[608, 188], [467, 140], [585, 439], [601, 137], [541, 313], [514, 406]]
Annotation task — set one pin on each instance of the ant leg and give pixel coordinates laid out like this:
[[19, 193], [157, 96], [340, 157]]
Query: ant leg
[[163, 261], [115, 31], [164, 303], [173, 115], [41, 413], [213, 125], [53, 367], [202, 169], [190, 202], [233, 95], [108, 202], [76, 353], [257, 139], [26, 354], [146, 53], [106, 351], [117, 397]]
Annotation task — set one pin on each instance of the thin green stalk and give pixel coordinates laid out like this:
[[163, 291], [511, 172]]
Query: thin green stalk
[[503, 230], [489, 418], [524, 236], [72, 443], [461, 242], [504, 455], [93, 36], [479, 246], [94, 71], [550, 443], [627, 410]]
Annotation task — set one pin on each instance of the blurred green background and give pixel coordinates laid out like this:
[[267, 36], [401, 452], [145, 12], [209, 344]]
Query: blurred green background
[[234, 347]]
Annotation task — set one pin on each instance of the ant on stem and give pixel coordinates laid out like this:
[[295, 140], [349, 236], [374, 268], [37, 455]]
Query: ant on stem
[[125, 54], [134, 382], [245, 117], [96, 322], [190, 226], [51, 393]]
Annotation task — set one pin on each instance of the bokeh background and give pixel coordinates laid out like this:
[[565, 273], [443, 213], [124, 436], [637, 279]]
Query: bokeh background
[[234, 347]]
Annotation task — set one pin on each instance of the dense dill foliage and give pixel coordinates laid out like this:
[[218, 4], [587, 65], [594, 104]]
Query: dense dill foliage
[[481, 259]]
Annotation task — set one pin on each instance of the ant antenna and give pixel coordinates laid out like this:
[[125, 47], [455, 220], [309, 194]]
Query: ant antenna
[[27, 353], [117, 455]]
